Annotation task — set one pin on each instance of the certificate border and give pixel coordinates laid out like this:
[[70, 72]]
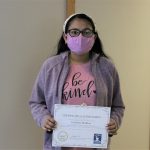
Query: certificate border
[[61, 106]]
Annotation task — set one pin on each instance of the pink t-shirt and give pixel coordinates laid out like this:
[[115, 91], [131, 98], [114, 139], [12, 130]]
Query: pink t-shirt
[[79, 89]]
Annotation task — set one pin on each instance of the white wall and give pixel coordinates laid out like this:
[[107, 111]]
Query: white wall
[[29, 31], [124, 27]]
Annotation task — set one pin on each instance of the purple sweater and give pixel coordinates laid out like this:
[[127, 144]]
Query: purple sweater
[[48, 86]]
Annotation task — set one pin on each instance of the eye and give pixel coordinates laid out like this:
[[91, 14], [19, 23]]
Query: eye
[[74, 32], [87, 32]]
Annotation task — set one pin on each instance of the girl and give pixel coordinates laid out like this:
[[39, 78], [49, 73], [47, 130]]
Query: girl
[[80, 74]]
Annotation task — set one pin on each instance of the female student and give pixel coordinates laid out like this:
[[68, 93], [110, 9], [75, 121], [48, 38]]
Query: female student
[[80, 74]]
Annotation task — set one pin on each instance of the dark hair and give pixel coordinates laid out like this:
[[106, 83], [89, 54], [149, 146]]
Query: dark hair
[[97, 47]]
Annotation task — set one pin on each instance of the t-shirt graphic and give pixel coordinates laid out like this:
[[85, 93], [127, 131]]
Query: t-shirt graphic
[[79, 88]]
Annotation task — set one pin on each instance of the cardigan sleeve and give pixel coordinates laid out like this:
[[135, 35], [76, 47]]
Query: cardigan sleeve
[[37, 100], [118, 107]]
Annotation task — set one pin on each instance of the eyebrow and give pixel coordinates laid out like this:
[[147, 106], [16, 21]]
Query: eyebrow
[[80, 30]]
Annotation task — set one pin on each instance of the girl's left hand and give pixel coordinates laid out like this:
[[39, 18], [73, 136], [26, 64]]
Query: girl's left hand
[[112, 127]]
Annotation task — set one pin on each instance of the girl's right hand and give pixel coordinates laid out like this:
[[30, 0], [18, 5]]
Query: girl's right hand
[[48, 123]]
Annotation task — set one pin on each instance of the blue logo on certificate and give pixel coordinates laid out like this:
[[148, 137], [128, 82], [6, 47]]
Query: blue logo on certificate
[[97, 138]]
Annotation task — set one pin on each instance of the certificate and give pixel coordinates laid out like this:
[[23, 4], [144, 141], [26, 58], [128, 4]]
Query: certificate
[[80, 126]]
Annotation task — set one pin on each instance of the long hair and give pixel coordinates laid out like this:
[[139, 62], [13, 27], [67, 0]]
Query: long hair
[[97, 47]]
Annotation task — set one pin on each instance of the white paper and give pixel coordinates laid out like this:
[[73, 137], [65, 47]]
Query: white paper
[[81, 126]]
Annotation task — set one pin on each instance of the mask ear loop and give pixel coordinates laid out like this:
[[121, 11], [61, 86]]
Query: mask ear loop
[[65, 37]]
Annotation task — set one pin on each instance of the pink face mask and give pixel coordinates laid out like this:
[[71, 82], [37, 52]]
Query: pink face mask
[[80, 44]]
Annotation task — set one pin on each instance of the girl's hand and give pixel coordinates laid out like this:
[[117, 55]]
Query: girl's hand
[[48, 123], [112, 127]]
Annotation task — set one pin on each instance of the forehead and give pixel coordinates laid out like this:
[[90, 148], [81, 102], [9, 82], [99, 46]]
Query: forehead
[[79, 24]]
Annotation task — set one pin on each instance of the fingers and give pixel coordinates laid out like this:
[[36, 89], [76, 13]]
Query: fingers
[[49, 123], [112, 127]]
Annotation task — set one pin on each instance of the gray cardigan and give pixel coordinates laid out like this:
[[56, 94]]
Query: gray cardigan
[[47, 89]]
